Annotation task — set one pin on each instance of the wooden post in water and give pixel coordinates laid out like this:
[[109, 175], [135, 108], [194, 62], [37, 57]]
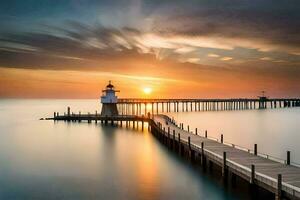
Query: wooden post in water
[[255, 149], [196, 131], [179, 144], [89, 121], [96, 117], [69, 111], [188, 128], [252, 179], [202, 154], [222, 138], [189, 141], [169, 141], [279, 187], [206, 133], [288, 157], [173, 142], [224, 165]]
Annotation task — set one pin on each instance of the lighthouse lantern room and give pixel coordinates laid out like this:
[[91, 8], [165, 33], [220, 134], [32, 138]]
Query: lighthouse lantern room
[[109, 101]]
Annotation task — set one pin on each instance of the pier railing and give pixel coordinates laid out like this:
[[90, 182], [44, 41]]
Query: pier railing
[[263, 155], [246, 171]]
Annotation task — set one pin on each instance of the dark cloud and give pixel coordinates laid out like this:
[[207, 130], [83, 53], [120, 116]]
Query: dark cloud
[[274, 22]]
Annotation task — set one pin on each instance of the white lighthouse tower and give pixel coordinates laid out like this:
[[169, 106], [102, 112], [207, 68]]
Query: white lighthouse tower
[[109, 101]]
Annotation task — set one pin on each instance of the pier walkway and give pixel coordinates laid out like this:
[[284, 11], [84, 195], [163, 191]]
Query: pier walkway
[[281, 179]]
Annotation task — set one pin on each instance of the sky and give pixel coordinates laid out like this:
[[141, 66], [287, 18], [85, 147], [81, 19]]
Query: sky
[[178, 49]]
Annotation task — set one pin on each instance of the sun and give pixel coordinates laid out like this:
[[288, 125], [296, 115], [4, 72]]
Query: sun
[[147, 90]]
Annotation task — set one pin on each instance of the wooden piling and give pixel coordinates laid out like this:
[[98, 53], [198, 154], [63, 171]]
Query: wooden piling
[[278, 194], [224, 165], [179, 144], [255, 149], [202, 153], [288, 157], [252, 179]]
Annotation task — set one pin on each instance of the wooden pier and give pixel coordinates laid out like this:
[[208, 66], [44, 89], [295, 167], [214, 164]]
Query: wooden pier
[[137, 106], [280, 178]]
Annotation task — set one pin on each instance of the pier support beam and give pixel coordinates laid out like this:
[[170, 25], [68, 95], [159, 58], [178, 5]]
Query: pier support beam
[[252, 179], [224, 167], [278, 195]]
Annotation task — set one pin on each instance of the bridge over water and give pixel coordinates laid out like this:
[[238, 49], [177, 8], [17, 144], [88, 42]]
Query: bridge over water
[[137, 106]]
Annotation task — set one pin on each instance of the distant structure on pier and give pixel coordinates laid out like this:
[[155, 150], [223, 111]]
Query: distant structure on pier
[[109, 101]]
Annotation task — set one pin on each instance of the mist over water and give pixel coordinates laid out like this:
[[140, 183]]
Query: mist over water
[[60, 160]]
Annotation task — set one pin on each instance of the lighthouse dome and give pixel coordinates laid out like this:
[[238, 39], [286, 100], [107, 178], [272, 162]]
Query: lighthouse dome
[[109, 86]]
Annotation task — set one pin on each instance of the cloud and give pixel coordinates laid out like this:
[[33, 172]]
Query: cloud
[[213, 55], [193, 60], [266, 58], [235, 23], [226, 58]]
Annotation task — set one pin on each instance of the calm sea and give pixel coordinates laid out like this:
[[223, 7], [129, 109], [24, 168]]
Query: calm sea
[[59, 160]]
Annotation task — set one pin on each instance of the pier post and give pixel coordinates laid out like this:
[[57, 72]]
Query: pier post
[[255, 149], [69, 111], [54, 115], [222, 138], [224, 170], [206, 133], [89, 120], [196, 131], [202, 154], [96, 117], [288, 157], [252, 178], [189, 141], [188, 128], [169, 141], [143, 124], [179, 144], [173, 142], [279, 187]]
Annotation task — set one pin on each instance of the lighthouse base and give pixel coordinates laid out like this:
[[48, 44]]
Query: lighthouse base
[[109, 109]]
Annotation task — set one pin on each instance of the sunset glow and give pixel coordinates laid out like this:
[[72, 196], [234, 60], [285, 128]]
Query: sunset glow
[[147, 90], [201, 50]]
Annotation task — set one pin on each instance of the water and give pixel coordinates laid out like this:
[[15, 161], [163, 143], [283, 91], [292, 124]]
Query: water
[[275, 131], [58, 160]]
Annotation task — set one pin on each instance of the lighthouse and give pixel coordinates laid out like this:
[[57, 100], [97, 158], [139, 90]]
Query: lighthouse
[[109, 101]]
